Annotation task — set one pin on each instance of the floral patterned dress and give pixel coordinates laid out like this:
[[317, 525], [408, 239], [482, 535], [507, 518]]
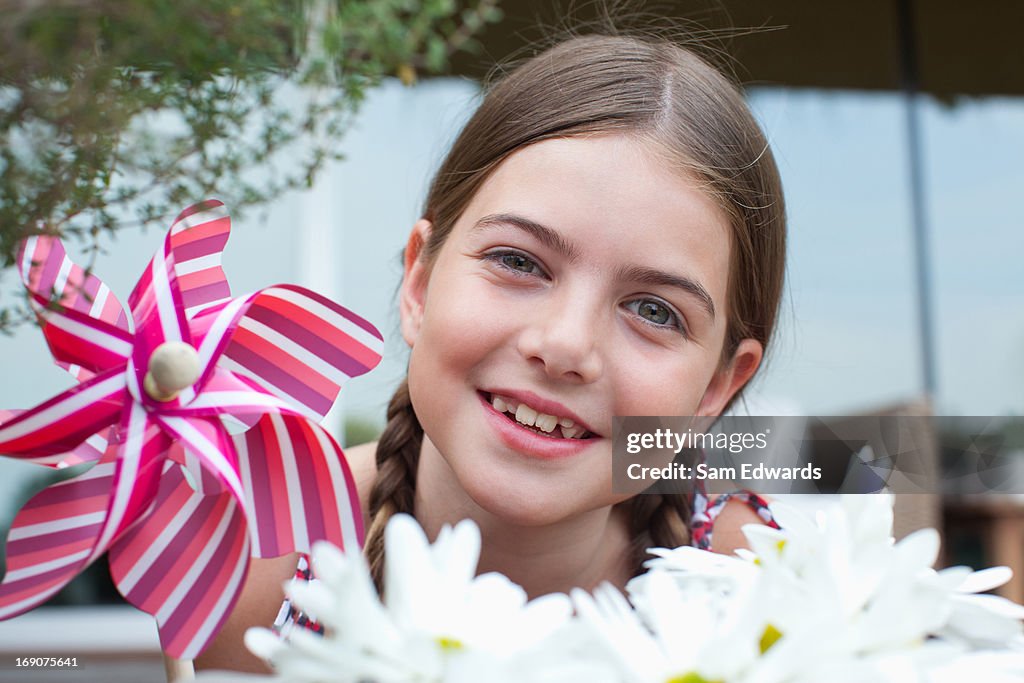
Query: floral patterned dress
[[702, 524]]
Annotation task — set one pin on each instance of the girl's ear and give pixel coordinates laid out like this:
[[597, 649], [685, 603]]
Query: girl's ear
[[731, 378], [414, 282]]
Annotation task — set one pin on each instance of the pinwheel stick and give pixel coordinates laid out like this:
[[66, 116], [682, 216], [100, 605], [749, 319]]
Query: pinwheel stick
[[173, 366], [179, 669]]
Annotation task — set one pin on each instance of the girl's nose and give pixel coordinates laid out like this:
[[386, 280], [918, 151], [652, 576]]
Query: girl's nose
[[564, 341]]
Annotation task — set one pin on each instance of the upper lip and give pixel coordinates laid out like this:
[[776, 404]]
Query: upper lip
[[543, 405]]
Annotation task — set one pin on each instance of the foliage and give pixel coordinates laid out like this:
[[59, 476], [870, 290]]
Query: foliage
[[118, 113], [359, 430]]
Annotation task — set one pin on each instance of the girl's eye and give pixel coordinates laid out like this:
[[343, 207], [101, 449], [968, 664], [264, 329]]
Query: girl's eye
[[655, 313], [519, 264]]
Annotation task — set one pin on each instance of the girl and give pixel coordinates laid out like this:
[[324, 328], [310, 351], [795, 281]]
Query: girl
[[606, 237]]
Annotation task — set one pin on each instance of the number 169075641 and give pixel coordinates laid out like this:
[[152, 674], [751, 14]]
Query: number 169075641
[[45, 662]]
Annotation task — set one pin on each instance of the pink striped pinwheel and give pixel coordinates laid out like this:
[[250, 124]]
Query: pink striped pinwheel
[[180, 502]]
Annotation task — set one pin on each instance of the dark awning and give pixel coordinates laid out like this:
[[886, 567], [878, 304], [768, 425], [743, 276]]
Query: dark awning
[[963, 48]]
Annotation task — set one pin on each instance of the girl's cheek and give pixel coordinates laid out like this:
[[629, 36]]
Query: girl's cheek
[[670, 391], [461, 316]]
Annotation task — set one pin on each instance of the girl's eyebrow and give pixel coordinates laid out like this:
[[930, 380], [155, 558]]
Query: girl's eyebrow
[[639, 274], [542, 233]]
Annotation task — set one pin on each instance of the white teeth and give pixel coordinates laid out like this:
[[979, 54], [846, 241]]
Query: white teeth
[[546, 423], [525, 415]]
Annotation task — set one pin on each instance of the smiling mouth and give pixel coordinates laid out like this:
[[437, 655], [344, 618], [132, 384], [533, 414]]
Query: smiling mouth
[[523, 415]]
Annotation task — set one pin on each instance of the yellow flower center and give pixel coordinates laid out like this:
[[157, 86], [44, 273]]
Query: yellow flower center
[[692, 677], [449, 644], [770, 636], [779, 545]]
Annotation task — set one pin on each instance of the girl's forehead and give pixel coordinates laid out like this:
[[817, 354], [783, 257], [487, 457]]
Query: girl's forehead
[[613, 197]]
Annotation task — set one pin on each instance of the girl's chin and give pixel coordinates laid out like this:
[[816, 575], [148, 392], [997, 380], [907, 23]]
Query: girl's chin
[[526, 516], [532, 501]]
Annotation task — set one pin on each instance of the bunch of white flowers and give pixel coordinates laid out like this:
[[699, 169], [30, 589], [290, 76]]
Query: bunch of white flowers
[[439, 621], [820, 601]]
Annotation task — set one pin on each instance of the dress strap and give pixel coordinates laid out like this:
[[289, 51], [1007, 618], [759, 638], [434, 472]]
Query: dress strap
[[705, 512], [290, 618]]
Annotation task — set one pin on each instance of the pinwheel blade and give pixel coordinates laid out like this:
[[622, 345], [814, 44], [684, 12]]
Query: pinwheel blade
[[197, 239], [184, 563], [53, 538], [83, 322], [65, 527], [60, 424], [89, 450], [185, 272], [241, 398], [301, 346], [142, 450], [209, 450], [298, 487]]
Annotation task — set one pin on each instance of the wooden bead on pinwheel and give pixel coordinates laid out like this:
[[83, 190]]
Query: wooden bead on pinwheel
[[172, 367]]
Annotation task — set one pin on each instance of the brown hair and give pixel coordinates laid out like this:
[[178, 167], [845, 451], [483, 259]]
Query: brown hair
[[689, 113]]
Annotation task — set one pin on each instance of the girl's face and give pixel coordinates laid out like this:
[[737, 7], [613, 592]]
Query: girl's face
[[585, 279]]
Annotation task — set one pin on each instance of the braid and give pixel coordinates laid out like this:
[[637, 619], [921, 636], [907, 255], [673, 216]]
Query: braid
[[658, 521], [398, 453]]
